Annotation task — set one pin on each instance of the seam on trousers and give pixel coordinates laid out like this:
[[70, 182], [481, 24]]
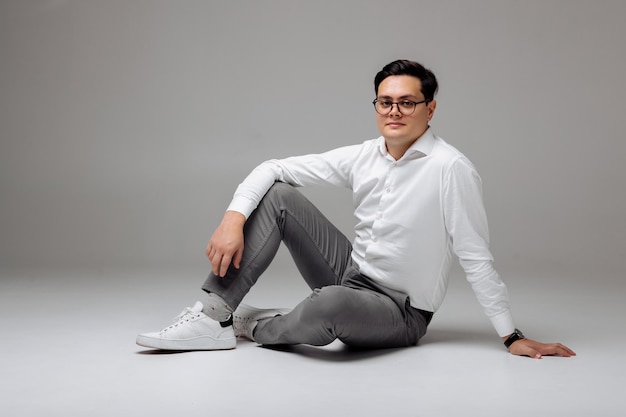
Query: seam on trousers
[[262, 246], [337, 278]]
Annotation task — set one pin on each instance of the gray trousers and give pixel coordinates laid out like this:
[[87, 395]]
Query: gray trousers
[[344, 304]]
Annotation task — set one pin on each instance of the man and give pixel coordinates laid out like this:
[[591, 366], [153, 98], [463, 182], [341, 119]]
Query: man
[[416, 200]]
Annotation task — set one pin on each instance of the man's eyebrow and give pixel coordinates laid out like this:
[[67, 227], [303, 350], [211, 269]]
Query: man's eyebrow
[[399, 98]]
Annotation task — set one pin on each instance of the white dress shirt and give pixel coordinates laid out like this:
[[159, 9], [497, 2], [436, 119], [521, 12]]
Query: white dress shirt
[[412, 215]]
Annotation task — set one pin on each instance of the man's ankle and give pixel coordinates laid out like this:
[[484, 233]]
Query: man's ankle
[[216, 308]]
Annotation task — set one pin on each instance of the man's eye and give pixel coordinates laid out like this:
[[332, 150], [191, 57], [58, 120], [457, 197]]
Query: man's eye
[[386, 103], [407, 103]]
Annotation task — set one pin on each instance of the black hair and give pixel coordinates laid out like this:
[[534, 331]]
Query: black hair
[[414, 69]]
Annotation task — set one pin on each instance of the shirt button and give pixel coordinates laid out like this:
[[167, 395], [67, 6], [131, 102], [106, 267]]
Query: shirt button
[[374, 239], [388, 190]]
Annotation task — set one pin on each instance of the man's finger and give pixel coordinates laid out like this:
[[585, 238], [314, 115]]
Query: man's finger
[[215, 263], [523, 347], [559, 349], [532, 353], [237, 258], [224, 264]]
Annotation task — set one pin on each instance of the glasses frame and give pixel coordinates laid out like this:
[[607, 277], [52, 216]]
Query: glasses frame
[[397, 103]]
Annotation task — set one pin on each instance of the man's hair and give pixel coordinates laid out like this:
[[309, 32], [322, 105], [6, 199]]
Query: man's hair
[[414, 69]]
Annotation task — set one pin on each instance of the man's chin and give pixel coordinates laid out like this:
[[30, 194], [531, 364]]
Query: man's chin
[[395, 137]]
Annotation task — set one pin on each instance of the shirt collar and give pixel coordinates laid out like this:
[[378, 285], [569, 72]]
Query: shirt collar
[[423, 146]]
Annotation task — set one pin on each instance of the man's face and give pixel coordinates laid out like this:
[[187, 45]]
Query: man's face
[[397, 128]]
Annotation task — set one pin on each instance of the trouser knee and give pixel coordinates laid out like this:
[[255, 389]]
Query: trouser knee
[[279, 191], [327, 305], [279, 197]]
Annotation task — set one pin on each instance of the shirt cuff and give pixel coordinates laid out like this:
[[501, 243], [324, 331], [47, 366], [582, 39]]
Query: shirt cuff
[[242, 205], [503, 323]]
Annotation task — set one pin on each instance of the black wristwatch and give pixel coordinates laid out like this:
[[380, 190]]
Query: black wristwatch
[[514, 337]]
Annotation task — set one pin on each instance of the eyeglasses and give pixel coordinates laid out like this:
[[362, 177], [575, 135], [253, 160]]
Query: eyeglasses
[[406, 107]]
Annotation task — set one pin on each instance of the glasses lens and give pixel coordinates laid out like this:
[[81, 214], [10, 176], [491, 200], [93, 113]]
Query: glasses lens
[[406, 107], [383, 106]]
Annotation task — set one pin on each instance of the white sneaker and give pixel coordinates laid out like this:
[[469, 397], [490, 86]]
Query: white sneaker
[[191, 330], [245, 318]]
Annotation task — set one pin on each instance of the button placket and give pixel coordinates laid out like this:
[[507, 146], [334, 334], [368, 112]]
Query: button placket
[[384, 201]]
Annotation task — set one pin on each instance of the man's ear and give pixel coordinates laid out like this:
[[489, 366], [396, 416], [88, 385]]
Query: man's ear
[[432, 105]]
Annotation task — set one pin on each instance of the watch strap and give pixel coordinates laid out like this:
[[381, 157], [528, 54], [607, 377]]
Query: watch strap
[[514, 337]]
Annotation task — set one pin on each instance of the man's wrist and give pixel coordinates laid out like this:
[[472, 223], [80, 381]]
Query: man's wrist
[[234, 217], [513, 337]]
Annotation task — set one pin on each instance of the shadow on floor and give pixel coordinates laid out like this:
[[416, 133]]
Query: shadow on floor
[[335, 352], [338, 352], [450, 335]]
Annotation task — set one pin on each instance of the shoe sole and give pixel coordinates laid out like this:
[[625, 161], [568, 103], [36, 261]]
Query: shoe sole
[[198, 343]]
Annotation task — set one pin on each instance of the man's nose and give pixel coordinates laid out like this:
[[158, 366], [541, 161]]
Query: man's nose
[[397, 112]]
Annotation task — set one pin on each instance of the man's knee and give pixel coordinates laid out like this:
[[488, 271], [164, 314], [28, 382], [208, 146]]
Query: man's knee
[[327, 304], [279, 190], [274, 201]]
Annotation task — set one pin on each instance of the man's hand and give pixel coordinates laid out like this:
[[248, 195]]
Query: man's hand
[[226, 244], [534, 349]]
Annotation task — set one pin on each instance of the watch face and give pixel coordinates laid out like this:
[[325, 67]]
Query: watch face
[[519, 333]]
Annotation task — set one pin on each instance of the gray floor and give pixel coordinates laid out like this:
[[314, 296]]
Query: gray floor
[[68, 349]]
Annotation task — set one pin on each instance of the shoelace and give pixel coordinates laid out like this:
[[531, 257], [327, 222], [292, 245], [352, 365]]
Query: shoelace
[[186, 315]]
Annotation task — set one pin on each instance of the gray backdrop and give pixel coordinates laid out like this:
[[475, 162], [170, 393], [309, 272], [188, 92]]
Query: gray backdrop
[[126, 125]]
